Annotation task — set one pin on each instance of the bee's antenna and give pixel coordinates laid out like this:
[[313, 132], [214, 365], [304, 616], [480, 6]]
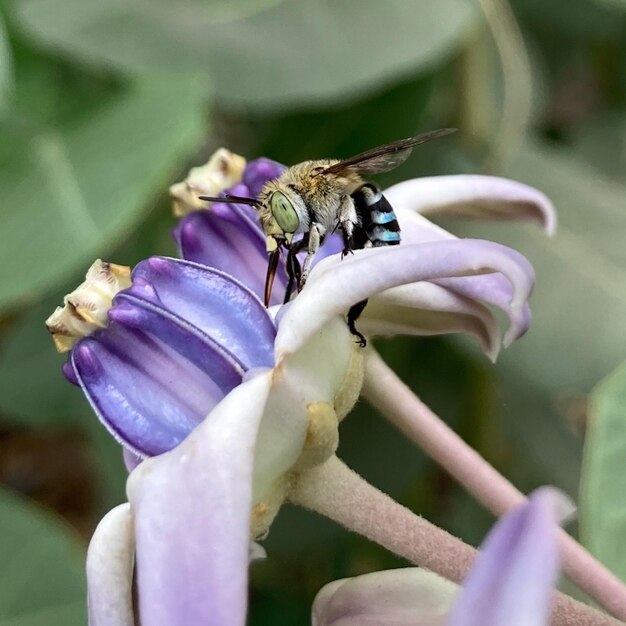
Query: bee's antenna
[[233, 199]]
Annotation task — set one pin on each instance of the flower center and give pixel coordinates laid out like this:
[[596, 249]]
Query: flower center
[[85, 309]]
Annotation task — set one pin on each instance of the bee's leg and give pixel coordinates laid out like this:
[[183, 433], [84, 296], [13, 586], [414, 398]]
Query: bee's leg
[[353, 315], [294, 270], [348, 219], [316, 231]]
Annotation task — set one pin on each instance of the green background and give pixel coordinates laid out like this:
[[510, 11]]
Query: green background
[[104, 104]]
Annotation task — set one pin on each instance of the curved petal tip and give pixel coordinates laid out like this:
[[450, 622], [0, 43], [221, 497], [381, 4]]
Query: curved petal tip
[[475, 196]]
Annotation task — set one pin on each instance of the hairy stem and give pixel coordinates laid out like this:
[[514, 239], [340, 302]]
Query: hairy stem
[[335, 491], [385, 391]]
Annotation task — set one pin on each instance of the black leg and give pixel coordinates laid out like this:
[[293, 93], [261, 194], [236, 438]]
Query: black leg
[[347, 244], [294, 271], [353, 315]]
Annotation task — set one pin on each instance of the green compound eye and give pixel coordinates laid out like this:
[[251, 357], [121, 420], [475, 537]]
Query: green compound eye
[[284, 213]]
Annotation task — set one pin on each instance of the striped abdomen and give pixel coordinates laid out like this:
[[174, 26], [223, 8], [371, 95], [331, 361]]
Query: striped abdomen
[[379, 225]]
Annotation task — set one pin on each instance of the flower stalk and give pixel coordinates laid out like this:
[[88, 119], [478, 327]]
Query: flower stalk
[[360, 507], [385, 391]]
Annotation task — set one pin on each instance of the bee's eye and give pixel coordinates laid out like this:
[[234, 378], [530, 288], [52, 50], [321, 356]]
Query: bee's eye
[[284, 213]]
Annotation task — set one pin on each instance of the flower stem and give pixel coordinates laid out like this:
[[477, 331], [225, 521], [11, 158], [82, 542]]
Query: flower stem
[[335, 491], [385, 391]]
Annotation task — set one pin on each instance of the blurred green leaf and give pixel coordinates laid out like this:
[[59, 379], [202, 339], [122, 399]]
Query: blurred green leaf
[[602, 142], [574, 19], [346, 129], [51, 92], [297, 53], [603, 500], [618, 4], [43, 580], [34, 394], [579, 306], [33, 390], [6, 67], [580, 301], [71, 191], [145, 19]]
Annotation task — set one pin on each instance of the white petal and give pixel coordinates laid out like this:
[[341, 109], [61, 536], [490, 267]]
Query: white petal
[[334, 285], [192, 517], [257, 551], [424, 309], [417, 229], [110, 570], [486, 197], [407, 597]]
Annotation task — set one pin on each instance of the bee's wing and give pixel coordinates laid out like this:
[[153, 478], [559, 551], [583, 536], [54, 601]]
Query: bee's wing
[[387, 157]]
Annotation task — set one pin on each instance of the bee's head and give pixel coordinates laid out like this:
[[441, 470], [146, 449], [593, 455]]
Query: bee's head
[[279, 219], [280, 222]]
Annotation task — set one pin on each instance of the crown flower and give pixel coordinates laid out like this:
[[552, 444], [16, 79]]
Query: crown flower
[[226, 409]]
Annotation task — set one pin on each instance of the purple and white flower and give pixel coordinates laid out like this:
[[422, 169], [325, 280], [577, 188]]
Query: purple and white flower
[[226, 403]]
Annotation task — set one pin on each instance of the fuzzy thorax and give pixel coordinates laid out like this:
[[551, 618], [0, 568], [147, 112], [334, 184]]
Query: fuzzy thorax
[[314, 197]]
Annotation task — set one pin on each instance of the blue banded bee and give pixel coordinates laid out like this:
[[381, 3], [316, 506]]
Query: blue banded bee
[[315, 198]]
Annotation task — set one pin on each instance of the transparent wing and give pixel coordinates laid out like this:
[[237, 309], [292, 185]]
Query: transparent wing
[[387, 157]]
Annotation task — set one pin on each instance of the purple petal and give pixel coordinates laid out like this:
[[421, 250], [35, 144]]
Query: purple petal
[[335, 285], [485, 197], [110, 570], [225, 237], [258, 172], [333, 244], [212, 301], [131, 460], [513, 578], [403, 597], [150, 377], [192, 517], [425, 308], [493, 289], [68, 372]]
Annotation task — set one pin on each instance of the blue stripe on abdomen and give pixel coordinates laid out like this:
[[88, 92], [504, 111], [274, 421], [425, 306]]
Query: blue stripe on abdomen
[[379, 233], [378, 222], [383, 218]]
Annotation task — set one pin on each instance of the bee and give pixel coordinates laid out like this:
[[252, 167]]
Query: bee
[[315, 198]]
